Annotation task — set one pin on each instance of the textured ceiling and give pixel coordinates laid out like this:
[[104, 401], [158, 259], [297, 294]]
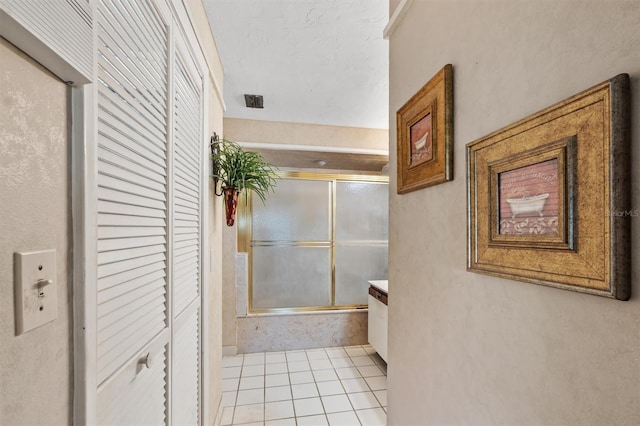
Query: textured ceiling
[[321, 62]]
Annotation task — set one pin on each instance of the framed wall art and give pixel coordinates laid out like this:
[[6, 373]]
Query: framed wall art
[[549, 196], [425, 135]]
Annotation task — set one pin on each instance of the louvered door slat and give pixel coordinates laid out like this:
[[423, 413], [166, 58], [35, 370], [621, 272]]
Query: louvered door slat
[[126, 220], [131, 253], [127, 209]]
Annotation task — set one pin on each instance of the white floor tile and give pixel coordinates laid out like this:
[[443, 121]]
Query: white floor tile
[[316, 354], [296, 366], [341, 362], [227, 416], [277, 368], [273, 358], [325, 375], [319, 420], [320, 364], [248, 413], [370, 371], [304, 390], [300, 377], [355, 385], [332, 387], [278, 410], [251, 382], [348, 418], [229, 398], [232, 361], [355, 351], [230, 384], [276, 380], [296, 356], [336, 403], [377, 383], [250, 424], [348, 373], [278, 393], [254, 359], [253, 370], [361, 361], [363, 400], [281, 422], [231, 372], [382, 397], [308, 407], [250, 396], [336, 353], [372, 417]]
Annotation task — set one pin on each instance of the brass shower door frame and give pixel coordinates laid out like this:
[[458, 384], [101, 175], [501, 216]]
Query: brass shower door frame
[[245, 237]]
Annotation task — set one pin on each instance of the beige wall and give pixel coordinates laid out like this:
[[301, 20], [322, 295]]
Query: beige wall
[[471, 349], [241, 130], [35, 367]]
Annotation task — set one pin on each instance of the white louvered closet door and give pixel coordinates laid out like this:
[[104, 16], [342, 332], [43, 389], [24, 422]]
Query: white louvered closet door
[[132, 324], [186, 227]]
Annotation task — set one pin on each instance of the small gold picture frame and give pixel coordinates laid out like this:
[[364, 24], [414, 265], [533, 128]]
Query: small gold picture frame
[[549, 196], [425, 135]]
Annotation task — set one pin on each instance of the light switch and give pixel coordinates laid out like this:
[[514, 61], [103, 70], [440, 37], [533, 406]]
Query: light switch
[[36, 295]]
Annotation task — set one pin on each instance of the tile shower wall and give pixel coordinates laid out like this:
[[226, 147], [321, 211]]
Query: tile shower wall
[[262, 333]]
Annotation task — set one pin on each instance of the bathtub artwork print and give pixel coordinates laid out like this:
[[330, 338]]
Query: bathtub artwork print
[[421, 145], [529, 199]]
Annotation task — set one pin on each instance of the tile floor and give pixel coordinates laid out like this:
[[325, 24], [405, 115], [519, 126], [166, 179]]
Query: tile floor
[[341, 386]]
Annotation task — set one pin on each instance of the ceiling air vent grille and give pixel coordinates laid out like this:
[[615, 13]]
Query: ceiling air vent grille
[[254, 101]]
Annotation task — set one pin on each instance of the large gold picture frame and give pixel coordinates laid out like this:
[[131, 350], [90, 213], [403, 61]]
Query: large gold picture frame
[[425, 135], [549, 196]]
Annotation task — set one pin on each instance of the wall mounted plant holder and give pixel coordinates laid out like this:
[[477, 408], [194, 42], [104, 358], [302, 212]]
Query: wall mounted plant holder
[[425, 134], [235, 170], [549, 196]]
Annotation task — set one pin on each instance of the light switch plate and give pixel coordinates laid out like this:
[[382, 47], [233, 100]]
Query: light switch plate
[[36, 295]]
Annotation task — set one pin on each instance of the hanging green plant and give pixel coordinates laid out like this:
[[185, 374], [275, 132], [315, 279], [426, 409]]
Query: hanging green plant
[[235, 169]]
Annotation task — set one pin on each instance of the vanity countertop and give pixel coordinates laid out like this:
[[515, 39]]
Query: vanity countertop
[[382, 285]]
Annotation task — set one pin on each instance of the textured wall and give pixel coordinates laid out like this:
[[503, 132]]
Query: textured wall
[[241, 130], [471, 349], [301, 331], [35, 367]]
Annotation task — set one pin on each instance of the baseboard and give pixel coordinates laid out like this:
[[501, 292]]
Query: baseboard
[[229, 350]]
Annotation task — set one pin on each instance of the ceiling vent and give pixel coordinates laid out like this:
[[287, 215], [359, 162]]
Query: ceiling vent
[[253, 101]]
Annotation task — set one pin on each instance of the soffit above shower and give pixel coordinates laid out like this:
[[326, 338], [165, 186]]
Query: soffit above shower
[[321, 62], [333, 160]]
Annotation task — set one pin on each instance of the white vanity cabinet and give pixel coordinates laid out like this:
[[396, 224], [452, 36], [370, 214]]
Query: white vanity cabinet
[[378, 316]]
